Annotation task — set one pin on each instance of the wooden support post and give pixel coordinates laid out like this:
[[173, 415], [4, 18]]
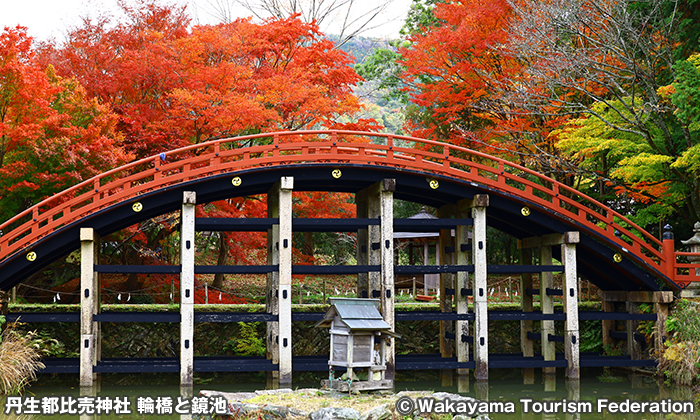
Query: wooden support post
[[187, 252], [380, 250], [662, 300], [349, 357], [374, 245], [89, 305], [570, 292], [547, 305], [446, 280], [462, 283], [387, 300], [272, 289], [634, 348], [426, 261], [363, 245], [279, 284], [608, 324], [526, 344], [481, 323], [285, 280]]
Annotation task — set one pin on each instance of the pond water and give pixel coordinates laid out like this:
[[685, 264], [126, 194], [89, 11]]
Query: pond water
[[504, 391]]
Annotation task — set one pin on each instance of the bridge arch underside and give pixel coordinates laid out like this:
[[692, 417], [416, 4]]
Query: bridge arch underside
[[595, 255]]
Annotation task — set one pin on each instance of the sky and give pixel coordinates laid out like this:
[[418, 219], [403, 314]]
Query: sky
[[46, 19]]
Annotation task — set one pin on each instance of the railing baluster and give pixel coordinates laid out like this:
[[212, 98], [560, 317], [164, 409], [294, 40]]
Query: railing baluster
[[156, 167], [390, 145], [217, 150]]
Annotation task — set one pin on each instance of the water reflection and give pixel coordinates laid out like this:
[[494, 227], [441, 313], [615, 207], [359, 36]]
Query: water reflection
[[504, 386]]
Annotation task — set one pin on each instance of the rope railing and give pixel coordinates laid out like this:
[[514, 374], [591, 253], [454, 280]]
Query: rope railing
[[326, 147]]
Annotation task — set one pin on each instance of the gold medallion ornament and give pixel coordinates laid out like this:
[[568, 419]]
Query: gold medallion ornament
[[137, 207], [525, 211], [237, 181], [434, 184], [337, 173], [617, 257], [31, 256]]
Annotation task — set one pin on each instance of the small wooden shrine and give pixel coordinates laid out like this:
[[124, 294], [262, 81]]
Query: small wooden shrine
[[358, 342]]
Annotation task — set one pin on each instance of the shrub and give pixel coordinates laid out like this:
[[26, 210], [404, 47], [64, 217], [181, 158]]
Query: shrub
[[680, 361], [684, 323]]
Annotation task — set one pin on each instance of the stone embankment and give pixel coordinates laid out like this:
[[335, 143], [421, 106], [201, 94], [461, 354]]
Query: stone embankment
[[319, 404]]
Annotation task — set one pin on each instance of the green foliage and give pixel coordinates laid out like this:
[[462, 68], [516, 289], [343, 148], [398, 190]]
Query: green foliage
[[591, 336], [685, 95], [248, 342], [684, 323], [648, 328], [382, 67], [680, 361], [614, 349], [421, 16]]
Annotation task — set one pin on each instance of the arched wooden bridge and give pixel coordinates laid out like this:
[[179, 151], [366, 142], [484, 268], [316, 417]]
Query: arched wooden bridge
[[614, 254], [590, 239]]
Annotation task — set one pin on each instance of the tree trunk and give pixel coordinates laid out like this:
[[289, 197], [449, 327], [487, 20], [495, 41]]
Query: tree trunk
[[308, 246], [221, 260]]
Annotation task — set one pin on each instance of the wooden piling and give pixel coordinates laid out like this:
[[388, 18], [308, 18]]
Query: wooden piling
[[283, 249], [380, 250], [662, 301], [570, 293], [363, 245], [272, 287], [481, 323], [547, 305], [187, 253], [461, 297], [446, 280], [526, 305], [90, 337]]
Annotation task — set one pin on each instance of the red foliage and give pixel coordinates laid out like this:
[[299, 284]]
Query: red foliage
[[174, 85]]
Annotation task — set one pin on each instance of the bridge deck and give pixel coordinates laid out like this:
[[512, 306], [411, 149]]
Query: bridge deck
[[47, 231]]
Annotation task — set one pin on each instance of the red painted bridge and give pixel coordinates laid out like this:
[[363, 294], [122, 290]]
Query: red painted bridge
[[614, 253]]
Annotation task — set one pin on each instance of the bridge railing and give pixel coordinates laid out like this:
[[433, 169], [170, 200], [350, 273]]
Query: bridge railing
[[686, 272], [328, 147]]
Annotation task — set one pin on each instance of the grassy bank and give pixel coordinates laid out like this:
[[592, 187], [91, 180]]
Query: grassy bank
[[20, 359]]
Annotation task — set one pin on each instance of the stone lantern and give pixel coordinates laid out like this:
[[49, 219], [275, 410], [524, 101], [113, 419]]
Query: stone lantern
[[693, 289]]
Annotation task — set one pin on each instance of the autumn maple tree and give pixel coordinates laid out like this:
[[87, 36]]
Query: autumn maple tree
[[452, 67], [505, 77], [52, 135], [172, 84], [613, 65]]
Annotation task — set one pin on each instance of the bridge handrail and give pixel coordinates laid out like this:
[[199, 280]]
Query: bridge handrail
[[686, 273], [426, 155]]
